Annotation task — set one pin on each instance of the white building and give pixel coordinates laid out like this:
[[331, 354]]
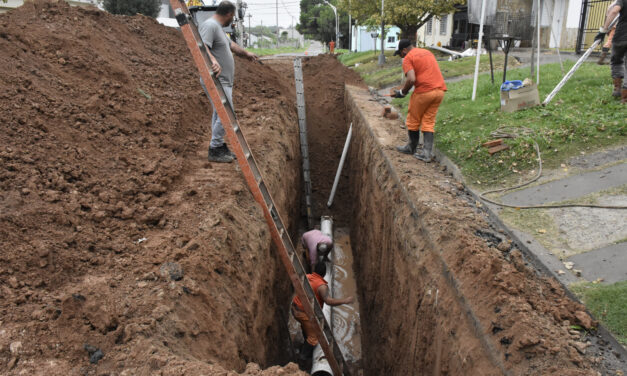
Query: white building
[[363, 40], [437, 31]]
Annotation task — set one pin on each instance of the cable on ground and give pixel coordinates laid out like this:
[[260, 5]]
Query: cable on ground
[[513, 132]]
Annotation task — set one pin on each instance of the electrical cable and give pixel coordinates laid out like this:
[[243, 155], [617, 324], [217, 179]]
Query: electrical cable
[[515, 132]]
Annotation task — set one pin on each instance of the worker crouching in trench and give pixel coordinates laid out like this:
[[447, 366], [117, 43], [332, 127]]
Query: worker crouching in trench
[[423, 73], [321, 290]]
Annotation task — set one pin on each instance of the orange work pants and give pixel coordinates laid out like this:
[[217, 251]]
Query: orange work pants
[[306, 325], [423, 107]]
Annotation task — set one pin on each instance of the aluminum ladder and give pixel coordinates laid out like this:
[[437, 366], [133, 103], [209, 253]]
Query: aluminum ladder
[[259, 190]]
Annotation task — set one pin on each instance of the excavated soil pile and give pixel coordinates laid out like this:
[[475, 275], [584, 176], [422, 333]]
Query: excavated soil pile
[[121, 248], [327, 126]]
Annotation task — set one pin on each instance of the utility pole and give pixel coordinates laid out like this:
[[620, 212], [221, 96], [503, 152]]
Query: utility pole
[[250, 31], [336, 23], [277, 23], [350, 28], [382, 55]]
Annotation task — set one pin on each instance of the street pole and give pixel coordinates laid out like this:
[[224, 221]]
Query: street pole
[[277, 23], [474, 84], [249, 30], [538, 57], [382, 55], [350, 28], [336, 22]]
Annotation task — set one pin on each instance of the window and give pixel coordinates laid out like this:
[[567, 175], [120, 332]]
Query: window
[[391, 39], [443, 24], [430, 26]]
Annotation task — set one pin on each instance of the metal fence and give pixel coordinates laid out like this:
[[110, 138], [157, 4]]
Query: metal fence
[[592, 18], [514, 25]]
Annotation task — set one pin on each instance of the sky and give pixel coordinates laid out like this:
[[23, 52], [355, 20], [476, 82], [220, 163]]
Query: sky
[[264, 11]]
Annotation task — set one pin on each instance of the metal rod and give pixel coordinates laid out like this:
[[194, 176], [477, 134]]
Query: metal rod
[[339, 168], [474, 83], [538, 57], [575, 67]]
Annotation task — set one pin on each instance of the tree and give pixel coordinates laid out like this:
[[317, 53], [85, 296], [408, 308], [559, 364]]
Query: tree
[[317, 21], [148, 8], [408, 15]]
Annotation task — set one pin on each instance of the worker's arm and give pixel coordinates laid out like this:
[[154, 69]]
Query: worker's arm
[[242, 52], [323, 291], [409, 83], [215, 66], [611, 15]]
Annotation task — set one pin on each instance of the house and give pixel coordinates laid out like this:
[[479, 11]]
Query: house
[[363, 39], [561, 23]]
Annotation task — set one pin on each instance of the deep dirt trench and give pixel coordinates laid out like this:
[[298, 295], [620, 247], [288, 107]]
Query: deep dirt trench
[[116, 233]]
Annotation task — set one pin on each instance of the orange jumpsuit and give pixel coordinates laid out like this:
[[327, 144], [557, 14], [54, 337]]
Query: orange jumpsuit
[[428, 91], [299, 313]]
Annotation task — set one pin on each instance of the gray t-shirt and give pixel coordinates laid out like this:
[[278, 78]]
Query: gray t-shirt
[[214, 36]]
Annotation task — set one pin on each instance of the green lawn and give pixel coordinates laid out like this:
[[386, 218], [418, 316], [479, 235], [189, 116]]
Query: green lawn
[[608, 303], [275, 51], [366, 64], [582, 117]]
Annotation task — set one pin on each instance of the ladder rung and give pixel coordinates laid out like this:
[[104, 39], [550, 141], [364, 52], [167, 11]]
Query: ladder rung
[[270, 207], [224, 100], [247, 154], [235, 128]]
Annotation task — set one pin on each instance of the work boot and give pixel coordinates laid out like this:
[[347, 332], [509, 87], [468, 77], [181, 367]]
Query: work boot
[[624, 96], [228, 151], [618, 84], [219, 155], [602, 57], [410, 148], [425, 154]]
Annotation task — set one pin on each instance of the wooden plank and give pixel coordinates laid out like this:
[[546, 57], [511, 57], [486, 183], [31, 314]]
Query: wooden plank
[[492, 143], [498, 148]]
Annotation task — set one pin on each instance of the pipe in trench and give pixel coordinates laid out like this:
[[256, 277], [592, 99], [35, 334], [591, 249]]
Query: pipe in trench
[[320, 365]]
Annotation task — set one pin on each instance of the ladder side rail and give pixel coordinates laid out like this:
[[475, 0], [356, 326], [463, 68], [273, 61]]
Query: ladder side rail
[[255, 182]]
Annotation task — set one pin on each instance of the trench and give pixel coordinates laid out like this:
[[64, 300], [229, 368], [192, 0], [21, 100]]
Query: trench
[[433, 297]]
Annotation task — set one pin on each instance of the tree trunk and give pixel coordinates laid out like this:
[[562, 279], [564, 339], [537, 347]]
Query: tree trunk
[[409, 32]]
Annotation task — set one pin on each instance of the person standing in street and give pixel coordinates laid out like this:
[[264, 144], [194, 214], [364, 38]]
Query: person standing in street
[[332, 47], [423, 73], [618, 61], [223, 65]]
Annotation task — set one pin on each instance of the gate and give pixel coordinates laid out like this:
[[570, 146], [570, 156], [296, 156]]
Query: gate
[[592, 18]]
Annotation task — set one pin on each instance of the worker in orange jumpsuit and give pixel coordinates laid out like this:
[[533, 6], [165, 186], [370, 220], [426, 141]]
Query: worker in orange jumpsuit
[[332, 47], [319, 286], [422, 71]]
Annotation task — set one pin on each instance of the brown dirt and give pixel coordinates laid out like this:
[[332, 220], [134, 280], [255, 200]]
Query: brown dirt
[[444, 300], [91, 167], [327, 127]]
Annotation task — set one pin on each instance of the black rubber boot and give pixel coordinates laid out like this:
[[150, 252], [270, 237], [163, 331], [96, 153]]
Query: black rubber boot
[[410, 148], [228, 151], [425, 154], [219, 155]]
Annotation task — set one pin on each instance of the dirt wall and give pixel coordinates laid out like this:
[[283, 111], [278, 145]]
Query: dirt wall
[[444, 300], [115, 231]]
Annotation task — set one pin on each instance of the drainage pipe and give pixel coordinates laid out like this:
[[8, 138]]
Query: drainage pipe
[[320, 366], [339, 168]]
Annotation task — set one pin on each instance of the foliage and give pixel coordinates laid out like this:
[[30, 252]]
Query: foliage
[[608, 303], [317, 21], [408, 15], [582, 118], [149, 8], [391, 72], [274, 51]]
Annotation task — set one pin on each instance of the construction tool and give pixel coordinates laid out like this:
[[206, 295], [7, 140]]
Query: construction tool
[[576, 66], [254, 180]]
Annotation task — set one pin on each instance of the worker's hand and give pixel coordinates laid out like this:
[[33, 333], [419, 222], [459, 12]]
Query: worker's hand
[[215, 67], [601, 35], [251, 56], [399, 94]]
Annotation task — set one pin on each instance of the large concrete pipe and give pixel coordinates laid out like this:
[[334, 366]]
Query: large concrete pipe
[[320, 365]]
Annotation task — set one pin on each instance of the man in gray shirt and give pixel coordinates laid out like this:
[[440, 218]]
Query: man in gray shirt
[[223, 66]]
